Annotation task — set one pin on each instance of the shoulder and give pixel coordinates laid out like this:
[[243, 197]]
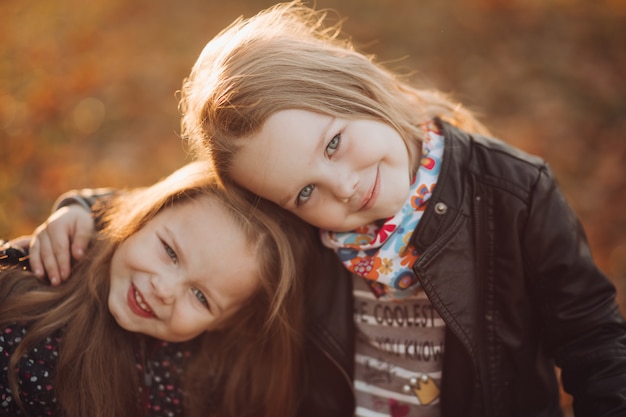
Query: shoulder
[[34, 372], [492, 162]]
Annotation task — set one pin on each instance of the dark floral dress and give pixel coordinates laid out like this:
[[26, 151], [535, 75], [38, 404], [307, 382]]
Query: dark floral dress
[[161, 392]]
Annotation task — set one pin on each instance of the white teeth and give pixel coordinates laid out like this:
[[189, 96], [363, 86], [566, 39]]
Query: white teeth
[[141, 303]]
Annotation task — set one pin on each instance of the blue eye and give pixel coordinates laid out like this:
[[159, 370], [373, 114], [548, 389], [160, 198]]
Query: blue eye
[[201, 297], [305, 194], [170, 252], [333, 145]]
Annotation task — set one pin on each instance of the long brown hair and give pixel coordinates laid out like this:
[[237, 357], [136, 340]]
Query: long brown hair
[[245, 369], [285, 57]]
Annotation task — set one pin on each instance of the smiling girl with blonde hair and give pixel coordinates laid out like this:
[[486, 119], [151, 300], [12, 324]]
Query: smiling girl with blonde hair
[[472, 274]]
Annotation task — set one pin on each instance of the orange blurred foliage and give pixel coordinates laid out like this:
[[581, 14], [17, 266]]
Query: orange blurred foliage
[[88, 90]]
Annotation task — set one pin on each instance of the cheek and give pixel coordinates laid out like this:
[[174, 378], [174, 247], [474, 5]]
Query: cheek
[[117, 264], [187, 324], [132, 257], [330, 219]]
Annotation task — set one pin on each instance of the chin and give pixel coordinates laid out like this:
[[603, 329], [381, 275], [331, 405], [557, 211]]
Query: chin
[[343, 227], [121, 320]]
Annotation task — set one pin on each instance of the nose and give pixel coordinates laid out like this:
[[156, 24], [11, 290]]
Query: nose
[[344, 184], [165, 287]]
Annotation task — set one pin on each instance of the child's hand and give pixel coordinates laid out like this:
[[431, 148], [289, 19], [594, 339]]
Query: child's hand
[[69, 228], [21, 242]]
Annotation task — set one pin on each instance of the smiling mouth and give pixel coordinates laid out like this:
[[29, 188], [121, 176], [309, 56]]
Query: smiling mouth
[[371, 196], [141, 302], [137, 303]]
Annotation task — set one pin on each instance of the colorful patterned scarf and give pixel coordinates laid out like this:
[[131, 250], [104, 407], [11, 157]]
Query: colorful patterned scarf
[[383, 254]]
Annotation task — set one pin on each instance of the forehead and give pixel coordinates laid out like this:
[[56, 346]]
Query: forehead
[[275, 161]]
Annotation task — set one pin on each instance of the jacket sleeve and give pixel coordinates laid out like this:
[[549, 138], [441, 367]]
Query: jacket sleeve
[[584, 329], [93, 200], [87, 197]]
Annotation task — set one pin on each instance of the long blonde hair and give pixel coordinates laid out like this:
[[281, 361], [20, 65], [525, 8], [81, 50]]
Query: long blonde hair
[[248, 368], [286, 58]]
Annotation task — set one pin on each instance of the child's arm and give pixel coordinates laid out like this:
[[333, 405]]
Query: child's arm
[[65, 235], [583, 325]]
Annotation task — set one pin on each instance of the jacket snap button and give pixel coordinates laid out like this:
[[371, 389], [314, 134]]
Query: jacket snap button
[[441, 208]]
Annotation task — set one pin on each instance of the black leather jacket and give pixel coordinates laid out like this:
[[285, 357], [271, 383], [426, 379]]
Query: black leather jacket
[[506, 264]]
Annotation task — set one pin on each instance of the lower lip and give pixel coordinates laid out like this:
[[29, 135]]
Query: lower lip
[[132, 303], [372, 200]]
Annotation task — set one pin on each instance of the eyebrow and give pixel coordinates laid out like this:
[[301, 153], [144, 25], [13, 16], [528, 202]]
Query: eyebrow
[[181, 256], [321, 144]]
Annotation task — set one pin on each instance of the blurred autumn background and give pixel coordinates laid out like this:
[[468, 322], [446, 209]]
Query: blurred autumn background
[[88, 90]]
